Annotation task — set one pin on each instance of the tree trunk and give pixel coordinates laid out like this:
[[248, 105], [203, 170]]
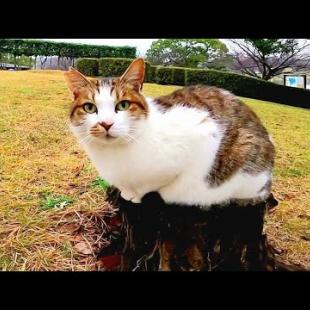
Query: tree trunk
[[43, 62], [153, 236]]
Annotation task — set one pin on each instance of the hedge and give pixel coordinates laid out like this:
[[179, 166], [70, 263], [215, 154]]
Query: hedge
[[170, 75], [27, 47], [164, 75], [150, 72], [113, 67], [245, 86], [88, 66], [238, 84]]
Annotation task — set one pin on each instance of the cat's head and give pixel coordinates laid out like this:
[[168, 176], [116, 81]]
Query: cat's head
[[107, 111]]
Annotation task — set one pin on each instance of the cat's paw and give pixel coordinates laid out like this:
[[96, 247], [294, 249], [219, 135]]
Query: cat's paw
[[130, 196], [127, 195], [136, 200]]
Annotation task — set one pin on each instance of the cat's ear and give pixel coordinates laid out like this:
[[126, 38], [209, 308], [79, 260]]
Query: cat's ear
[[75, 81], [134, 74]]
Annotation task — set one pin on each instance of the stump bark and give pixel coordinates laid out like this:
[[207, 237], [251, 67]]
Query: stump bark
[[154, 236]]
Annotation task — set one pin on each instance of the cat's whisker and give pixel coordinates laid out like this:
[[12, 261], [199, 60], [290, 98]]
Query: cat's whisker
[[86, 139]]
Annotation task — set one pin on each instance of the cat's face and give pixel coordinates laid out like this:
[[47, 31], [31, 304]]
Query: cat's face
[[108, 111]]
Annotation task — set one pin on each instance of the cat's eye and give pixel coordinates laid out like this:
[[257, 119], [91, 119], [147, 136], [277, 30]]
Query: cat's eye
[[89, 108], [122, 105]]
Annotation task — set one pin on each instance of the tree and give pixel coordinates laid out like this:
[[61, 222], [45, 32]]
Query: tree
[[224, 63], [185, 52], [266, 58]]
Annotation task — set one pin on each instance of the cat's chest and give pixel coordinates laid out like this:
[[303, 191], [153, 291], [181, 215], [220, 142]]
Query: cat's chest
[[128, 166]]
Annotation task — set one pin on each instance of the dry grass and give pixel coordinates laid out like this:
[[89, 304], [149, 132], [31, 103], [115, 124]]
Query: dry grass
[[41, 164]]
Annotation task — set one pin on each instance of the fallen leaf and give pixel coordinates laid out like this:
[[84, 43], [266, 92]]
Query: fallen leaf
[[83, 248], [69, 228], [109, 263], [78, 238]]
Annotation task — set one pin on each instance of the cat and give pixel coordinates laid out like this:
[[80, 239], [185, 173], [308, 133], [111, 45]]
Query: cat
[[198, 146]]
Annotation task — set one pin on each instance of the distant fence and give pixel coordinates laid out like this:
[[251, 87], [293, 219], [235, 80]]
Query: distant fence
[[238, 84]]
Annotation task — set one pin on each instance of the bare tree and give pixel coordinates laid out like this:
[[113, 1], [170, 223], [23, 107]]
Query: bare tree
[[266, 58]]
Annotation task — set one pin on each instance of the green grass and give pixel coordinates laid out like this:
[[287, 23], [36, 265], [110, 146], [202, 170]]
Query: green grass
[[100, 183], [42, 169], [52, 202]]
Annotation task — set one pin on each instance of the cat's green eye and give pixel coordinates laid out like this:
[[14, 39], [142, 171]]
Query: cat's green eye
[[89, 108], [122, 105]]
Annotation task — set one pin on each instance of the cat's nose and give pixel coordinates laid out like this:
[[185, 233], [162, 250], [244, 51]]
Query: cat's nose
[[105, 125]]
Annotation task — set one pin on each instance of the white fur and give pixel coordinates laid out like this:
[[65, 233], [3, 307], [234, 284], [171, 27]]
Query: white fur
[[170, 152]]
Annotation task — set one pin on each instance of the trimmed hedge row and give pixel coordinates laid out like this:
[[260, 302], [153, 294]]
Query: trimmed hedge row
[[170, 75], [28, 47], [238, 84], [245, 86], [113, 67], [88, 66]]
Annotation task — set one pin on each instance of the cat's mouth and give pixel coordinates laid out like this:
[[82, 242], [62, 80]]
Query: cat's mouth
[[109, 136]]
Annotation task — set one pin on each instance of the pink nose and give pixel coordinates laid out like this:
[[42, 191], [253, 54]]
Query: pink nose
[[106, 126]]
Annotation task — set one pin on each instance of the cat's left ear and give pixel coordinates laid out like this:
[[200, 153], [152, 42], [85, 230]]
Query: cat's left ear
[[75, 81], [134, 74]]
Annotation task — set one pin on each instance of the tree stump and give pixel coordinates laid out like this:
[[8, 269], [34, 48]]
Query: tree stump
[[154, 236]]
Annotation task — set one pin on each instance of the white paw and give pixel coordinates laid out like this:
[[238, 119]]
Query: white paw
[[136, 200], [127, 195], [130, 196]]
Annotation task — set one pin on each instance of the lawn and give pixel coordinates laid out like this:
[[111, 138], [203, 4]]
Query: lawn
[[51, 201]]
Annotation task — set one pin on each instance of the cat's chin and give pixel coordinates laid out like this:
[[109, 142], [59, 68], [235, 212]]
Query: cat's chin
[[109, 140]]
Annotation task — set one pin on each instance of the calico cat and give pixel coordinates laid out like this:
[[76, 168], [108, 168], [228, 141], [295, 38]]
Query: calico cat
[[199, 145]]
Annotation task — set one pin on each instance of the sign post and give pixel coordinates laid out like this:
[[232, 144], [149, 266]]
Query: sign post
[[297, 80]]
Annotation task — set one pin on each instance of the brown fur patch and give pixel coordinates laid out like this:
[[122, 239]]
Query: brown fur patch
[[245, 145], [77, 112], [83, 90], [124, 91]]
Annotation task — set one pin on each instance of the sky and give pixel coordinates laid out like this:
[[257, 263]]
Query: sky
[[142, 45]]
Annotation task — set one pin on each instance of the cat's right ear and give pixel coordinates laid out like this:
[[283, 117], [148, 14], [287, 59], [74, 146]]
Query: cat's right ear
[[75, 81]]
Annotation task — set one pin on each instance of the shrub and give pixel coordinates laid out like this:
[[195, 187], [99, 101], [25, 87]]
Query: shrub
[[150, 72], [169, 75], [113, 67], [249, 87], [87, 66], [179, 76], [164, 75]]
